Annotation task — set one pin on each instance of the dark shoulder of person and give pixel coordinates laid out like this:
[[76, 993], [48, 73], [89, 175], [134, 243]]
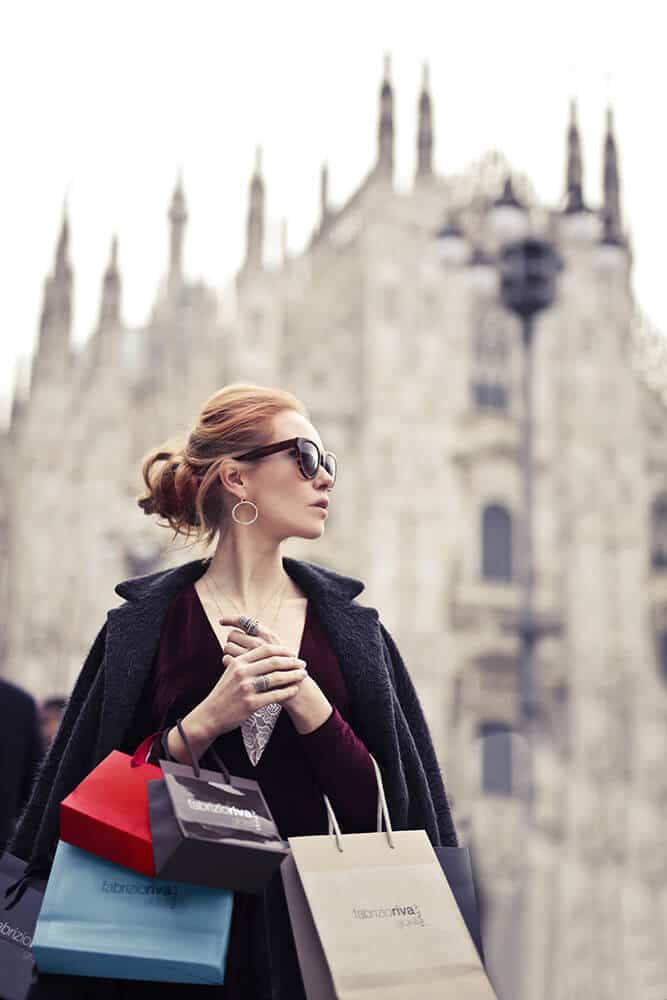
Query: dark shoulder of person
[[13, 696], [21, 749]]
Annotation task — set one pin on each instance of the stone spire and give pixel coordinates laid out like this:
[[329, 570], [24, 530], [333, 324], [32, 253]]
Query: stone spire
[[110, 305], [425, 130], [611, 211], [56, 316], [177, 217], [508, 198], [574, 187], [324, 194], [385, 162], [62, 269], [255, 222]]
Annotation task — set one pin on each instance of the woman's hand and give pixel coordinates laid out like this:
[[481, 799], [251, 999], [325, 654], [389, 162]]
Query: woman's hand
[[246, 658], [308, 706]]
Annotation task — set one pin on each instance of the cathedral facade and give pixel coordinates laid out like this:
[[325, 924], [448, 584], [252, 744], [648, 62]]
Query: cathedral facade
[[410, 368]]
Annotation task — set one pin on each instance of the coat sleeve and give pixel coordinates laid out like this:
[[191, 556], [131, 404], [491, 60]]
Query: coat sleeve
[[414, 714], [67, 762]]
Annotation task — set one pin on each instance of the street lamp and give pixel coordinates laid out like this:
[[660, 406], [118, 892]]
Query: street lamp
[[528, 270], [528, 273]]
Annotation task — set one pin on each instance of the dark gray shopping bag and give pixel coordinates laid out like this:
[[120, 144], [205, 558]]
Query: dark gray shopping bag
[[212, 828], [21, 894], [455, 863]]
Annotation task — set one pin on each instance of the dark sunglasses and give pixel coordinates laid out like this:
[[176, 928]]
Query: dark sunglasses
[[308, 455]]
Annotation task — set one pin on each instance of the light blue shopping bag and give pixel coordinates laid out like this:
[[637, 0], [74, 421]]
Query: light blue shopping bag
[[100, 919]]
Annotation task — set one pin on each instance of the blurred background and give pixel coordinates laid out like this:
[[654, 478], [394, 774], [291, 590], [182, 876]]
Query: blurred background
[[441, 229]]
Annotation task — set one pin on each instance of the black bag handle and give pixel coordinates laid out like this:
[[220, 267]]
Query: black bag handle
[[195, 763]]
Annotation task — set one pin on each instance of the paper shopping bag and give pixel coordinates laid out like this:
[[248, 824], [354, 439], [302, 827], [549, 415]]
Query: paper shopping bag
[[21, 897], [373, 916], [107, 813], [212, 828], [100, 919]]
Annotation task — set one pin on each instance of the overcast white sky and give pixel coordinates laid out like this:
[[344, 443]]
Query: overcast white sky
[[106, 101]]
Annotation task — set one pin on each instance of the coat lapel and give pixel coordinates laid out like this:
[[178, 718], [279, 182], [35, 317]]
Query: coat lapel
[[133, 635]]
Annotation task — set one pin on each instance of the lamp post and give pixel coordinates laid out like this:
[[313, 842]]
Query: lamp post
[[528, 274], [528, 269]]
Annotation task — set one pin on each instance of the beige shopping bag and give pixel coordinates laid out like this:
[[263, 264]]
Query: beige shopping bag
[[373, 916]]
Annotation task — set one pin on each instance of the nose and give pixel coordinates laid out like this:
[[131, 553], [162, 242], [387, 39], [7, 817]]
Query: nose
[[328, 476]]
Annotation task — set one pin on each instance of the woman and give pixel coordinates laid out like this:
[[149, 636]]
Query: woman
[[263, 656]]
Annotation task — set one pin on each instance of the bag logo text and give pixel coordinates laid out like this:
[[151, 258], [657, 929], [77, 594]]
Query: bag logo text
[[15, 934], [151, 891], [408, 916]]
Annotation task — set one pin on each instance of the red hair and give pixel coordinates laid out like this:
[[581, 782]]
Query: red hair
[[182, 481]]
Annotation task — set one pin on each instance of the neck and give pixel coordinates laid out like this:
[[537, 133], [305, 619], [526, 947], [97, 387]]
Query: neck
[[247, 572]]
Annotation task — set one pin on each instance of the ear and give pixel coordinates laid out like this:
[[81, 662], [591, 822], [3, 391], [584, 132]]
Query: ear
[[230, 475]]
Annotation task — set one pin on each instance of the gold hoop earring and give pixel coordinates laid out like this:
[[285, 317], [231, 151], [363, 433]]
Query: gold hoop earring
[[236, 505]]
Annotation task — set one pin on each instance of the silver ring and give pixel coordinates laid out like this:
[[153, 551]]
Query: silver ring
[[262, 684], [249, 625]]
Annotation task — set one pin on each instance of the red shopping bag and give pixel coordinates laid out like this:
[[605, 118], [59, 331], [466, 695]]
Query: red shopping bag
[[107, 813]]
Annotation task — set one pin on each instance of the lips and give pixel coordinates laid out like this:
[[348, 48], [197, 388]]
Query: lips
[[321, 503]]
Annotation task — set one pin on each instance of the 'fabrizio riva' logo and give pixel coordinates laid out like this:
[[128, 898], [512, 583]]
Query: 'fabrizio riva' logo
[[147, 890], [218, 807], [409, 915], [15, 934]]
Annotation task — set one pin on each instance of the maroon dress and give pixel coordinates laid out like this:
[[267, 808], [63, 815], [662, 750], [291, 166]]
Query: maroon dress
[[294, 770]]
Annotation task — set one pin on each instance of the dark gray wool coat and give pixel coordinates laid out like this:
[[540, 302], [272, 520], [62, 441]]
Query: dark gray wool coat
[[103, 715]]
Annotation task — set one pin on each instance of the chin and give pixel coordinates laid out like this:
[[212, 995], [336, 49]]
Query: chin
[[309, 532]]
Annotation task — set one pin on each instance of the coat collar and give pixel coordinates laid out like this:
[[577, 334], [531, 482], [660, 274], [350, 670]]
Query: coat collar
[[314, 580], [133, 635]]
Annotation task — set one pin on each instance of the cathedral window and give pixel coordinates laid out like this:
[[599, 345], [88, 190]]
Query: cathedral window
[[496, 749], [659, 534], [496, 543], [490, 382]]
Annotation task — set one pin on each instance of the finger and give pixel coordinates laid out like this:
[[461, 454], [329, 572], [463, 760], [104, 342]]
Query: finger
[[262, 631], [264, 665], [278, 695], [265, 650], [242, 638], [234, 649], [237, 650], [262, 657], [278, 679]]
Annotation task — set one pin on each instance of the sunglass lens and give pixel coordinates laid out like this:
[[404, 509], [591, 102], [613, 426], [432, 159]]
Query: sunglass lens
[[309, 459]]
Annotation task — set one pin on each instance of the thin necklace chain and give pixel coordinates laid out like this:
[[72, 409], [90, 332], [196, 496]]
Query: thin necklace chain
[[275, 617]]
